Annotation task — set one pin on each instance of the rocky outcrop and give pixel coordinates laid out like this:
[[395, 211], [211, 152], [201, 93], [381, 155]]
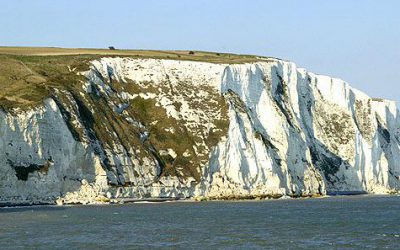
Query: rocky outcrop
[[142, 128]]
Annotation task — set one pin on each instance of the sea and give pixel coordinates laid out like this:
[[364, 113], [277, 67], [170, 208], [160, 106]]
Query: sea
[[338, 222]]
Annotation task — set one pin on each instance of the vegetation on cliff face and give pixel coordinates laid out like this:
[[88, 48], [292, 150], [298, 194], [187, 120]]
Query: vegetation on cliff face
[[28, 76], [190, 146]]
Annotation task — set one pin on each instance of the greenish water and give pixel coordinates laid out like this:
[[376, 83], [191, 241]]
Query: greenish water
[[346, 222]]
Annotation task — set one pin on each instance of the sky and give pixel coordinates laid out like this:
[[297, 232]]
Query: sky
[[355, 40]]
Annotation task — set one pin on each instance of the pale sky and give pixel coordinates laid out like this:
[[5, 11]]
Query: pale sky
[[358, 41]]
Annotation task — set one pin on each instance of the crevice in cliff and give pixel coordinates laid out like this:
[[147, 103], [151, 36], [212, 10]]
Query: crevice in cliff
[[241, 110], [68, 119], [23, 170], [281, 98], [384, 134], [323, 159]]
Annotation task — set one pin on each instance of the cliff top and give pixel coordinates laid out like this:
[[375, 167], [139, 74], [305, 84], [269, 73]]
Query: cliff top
[[203, 56], [28, 74]]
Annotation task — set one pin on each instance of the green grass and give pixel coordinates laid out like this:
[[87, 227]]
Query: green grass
[[29, 74], [26, 80], [213, 57]]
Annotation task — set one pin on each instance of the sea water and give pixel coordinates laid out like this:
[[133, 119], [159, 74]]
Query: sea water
[[341, 222]]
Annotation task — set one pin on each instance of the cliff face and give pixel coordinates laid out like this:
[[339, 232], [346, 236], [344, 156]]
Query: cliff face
[[140, 128]]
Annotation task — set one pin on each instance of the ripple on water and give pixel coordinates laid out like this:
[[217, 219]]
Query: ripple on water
[[334, 222]]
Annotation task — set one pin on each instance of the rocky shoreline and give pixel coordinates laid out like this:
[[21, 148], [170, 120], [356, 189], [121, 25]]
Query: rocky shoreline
[[121, 201]]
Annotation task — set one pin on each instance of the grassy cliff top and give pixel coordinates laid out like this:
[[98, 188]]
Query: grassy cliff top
[[25, 81], [212, 57], [29, 74]]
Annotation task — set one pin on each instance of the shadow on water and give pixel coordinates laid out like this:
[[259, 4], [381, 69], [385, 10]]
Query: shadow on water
[[27, 208]]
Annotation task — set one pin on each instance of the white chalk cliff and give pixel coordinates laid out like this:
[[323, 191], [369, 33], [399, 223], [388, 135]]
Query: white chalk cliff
[[264, 129]]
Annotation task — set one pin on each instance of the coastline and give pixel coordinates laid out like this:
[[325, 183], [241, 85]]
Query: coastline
[[122, 201]]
